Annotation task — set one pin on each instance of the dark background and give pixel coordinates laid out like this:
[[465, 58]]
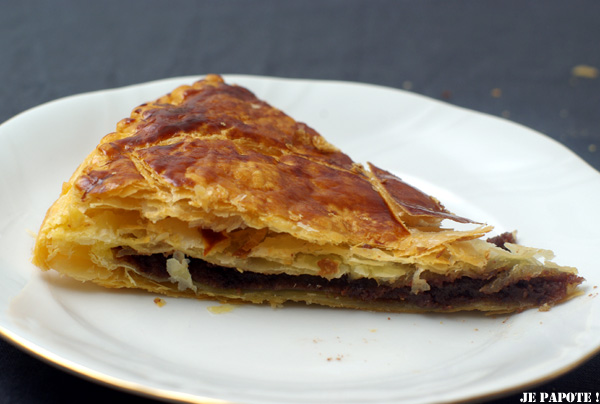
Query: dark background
[[512, 59]]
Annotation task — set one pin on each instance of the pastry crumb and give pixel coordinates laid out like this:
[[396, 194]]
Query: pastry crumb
[[496, 93], [160, 302], [585, 71], [223, 308]]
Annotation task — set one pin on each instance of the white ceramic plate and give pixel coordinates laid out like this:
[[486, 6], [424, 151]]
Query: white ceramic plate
[[480, 167]]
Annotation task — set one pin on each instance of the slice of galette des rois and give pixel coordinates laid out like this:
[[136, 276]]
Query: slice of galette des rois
[[210, 193]]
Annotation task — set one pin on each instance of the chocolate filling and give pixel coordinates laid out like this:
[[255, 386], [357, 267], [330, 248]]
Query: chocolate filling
[[501, 239], [444, 293]]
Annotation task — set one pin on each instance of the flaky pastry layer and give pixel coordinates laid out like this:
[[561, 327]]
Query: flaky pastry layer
[[209, 173]]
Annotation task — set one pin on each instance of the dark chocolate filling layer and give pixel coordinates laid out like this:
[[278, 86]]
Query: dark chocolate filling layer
[[444, 293]]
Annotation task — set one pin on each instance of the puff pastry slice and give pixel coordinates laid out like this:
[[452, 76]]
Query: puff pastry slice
[[209, 192]]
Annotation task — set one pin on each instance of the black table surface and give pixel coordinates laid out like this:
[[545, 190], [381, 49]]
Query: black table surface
[[532, 62]]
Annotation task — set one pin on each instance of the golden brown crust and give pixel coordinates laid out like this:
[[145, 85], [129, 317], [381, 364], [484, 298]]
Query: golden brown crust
[[409, 203], [215, 135], [210, 172]]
